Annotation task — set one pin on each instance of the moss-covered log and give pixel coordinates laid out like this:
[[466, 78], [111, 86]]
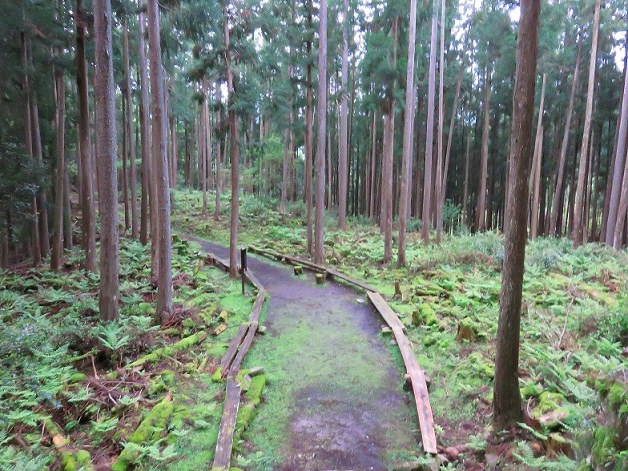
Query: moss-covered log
[[148, 432], [160, 353]]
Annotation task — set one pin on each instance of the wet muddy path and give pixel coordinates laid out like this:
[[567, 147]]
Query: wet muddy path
[[334, 398]]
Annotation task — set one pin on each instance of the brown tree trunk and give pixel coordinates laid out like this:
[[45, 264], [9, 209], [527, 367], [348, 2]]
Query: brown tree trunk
[[85, 159], [165, 309], [148, 190], [480, 212], [588, 117], [319, 241], [506, 395], [309, 139], [408, 140], [618, 166], [234, 156], [465, 192], [57, 235], [130, 143], [218, 176], [386, 210], [428, 182], [42, 200], [440, 183], [557, 199], [535, 180], [343, 144], [106, 151], [28, 144]]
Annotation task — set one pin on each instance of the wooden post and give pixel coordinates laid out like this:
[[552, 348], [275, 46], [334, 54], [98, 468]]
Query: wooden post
[[243, 265]]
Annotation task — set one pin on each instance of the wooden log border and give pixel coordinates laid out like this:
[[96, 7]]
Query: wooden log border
[[230, 367], [417, 376]]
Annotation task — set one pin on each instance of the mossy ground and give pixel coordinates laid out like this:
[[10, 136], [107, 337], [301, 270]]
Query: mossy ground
[[59, 364], [574, 334]]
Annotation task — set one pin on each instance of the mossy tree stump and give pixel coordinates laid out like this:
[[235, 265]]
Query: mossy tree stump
[[320, 278]]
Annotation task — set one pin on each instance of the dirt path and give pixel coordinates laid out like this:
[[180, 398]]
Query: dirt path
[[334, 398]]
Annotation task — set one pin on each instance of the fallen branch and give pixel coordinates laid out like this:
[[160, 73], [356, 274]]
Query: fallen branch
[[160, 353]]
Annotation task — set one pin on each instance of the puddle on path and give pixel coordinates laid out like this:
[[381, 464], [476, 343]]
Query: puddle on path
[[334, 399]]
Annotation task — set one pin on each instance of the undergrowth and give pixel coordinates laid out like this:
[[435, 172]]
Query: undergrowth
[[68, 398], [574, 337]]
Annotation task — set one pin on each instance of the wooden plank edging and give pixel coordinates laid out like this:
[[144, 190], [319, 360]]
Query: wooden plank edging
[[230, 367], [417, 377], [311, 266], [224, 446]]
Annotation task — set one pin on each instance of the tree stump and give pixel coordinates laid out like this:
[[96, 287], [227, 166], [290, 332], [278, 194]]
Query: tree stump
[[298, 270], [320, 278], [397, 288]]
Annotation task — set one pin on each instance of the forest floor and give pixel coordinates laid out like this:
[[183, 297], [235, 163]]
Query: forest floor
[[77, 394], [334, 398], [574, 338]]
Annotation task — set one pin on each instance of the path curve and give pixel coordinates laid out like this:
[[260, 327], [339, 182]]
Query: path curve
[[335, 398]]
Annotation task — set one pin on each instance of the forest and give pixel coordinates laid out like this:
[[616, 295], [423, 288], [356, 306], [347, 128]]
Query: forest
[[313, 235]]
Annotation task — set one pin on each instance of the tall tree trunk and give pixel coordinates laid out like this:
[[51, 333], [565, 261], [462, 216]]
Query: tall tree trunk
[[218, 176], [130, 143], [165, 309], [408, 140], [506, 395], [148, 191], [85, 159], [309, 139], [557, 199], [618, 230], [619, 164], [57, 236], [319, 241], [429, 136], [480, 212], [106, 151], [535, 180], [234, 156], [440, 184], [465, 192], [386, 210], [343, 143], [125, 171], [373, 157], [586, 136], [42, 200], [28, 141]]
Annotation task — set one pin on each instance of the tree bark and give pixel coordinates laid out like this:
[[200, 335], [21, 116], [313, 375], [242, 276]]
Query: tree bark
[[234, 156], [440, 183], [218, 176], [130, 143], [408, 140], [85, 159], [107, 173], [535, 180], [343, 144], [147, 188], [28, 144], [429, 136], [57, 235], [386, 210], [165, 309], [619, 164], [506, 395], [319, 240], [480, 216], [557, 199], [588, 117], [309, 139]]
